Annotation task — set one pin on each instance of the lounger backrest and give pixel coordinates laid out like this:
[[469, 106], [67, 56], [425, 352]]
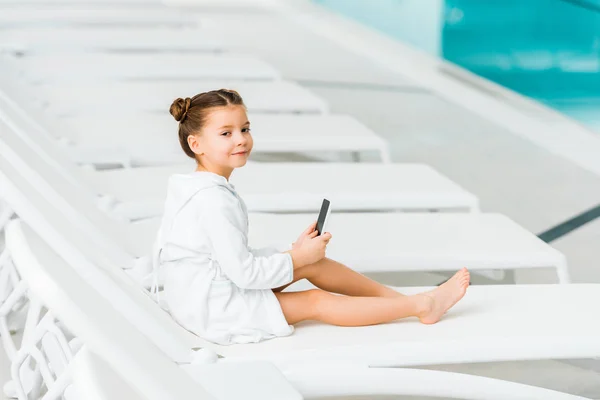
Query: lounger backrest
[[18, 105], [73, 245], [94, 320], [77, 206]]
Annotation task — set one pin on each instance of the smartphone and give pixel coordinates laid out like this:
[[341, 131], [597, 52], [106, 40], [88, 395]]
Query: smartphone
[[323, 214]]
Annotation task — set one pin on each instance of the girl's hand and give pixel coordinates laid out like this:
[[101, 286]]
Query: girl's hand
[[316, 247], [308, 233], [311, 250]]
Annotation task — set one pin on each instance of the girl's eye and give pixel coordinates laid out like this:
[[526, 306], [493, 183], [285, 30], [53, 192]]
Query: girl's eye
[[225, 133], [246, 130]]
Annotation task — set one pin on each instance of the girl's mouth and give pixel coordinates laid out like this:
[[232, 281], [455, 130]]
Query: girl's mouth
[[240, 153]]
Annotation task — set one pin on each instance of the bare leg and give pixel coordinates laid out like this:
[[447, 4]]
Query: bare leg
[[347, 310], [359, 311], [335, 277]]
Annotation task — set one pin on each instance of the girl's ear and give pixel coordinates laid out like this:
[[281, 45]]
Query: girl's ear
[[194, 143]]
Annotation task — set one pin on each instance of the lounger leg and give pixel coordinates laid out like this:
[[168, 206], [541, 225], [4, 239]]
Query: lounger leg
[[13, 299], [386, 158], [58, 389], [562, 271], [475, 208], [33, 318], [509, 276], [36, 383], [51, 359]]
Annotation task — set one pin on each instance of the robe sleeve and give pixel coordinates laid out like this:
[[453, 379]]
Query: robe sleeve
[[273, 249], [247, 269]]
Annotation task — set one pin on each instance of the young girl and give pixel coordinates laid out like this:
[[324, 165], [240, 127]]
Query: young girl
[[226, 292]]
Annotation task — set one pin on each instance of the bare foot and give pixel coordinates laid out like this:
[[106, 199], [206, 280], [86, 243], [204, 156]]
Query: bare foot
[[445, 296]]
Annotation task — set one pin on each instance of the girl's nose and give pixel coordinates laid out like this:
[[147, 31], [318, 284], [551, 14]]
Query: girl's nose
[[241, 139]]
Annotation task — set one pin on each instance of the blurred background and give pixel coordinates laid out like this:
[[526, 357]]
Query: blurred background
[[548, 50], [502, 97]]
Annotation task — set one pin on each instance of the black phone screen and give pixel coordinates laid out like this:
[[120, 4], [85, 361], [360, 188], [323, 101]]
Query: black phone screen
[[322, 216]]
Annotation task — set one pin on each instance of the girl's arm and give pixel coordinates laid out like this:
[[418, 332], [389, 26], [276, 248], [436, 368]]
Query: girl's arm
[[269, 251], [246, 269]]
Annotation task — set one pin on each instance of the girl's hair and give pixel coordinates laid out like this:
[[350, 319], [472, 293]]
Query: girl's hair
[[193, 113]]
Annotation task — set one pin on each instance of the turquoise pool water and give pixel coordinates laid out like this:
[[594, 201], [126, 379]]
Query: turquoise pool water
[[546, 49]]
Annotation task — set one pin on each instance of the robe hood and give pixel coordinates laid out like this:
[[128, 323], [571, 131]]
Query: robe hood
[[182, 187]]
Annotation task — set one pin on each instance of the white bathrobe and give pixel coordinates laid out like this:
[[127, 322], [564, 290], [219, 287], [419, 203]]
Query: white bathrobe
[[214, 284]]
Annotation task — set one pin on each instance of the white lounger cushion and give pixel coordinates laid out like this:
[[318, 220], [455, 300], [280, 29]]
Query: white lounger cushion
[[300, 187], [91, 67], [271, 133], [492, 323], [128, 97], [116, 38]]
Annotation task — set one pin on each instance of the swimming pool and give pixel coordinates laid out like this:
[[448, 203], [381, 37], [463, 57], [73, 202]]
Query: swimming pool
[[545, 49]]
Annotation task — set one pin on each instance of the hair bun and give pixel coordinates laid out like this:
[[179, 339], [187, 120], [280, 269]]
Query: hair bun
[[179, 108]]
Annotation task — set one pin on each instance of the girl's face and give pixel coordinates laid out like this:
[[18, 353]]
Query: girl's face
[[225, 141]]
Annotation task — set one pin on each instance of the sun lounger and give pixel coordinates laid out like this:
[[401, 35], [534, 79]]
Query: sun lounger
[[260, 97], [300, 187], [16, 15], [104, 138], [48, 40], [308, 134], [316, 351], [273, 187], [391, 242], [94, 67], [271, 97], [91, 139]]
